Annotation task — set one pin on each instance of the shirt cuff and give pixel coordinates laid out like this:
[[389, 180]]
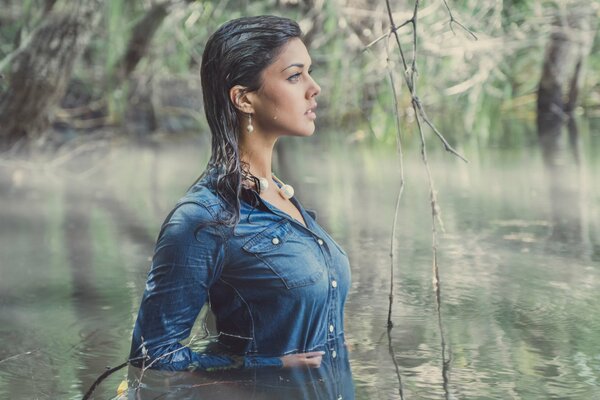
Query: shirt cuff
[[262, 362]]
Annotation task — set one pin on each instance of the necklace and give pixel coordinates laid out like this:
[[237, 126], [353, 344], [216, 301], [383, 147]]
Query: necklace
[[286, 191]]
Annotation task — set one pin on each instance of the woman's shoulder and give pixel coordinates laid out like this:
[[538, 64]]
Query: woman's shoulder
[[200, 205]]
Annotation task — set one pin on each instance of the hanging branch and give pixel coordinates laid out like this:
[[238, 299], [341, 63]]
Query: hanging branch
[[396, 366], [420, 116], [390, 324]]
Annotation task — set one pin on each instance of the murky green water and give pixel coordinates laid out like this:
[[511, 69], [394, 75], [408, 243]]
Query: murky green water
[[519, 267]]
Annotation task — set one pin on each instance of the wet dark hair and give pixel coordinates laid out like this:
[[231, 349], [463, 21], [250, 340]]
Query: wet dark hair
[[236, 54]]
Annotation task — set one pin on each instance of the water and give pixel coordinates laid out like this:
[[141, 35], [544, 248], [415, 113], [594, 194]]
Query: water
[[519, 266]]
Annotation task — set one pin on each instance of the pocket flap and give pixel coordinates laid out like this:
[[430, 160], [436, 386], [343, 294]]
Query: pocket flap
[[270, 238]]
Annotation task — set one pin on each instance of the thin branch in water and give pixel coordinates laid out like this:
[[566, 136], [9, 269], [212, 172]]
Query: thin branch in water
[[102, 377], [400, 190], [435, 216], [409, 75], [446, 358], [396, 366], [17, 356]]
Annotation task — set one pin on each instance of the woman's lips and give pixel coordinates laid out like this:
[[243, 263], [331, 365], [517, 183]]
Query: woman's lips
[[310, 113]]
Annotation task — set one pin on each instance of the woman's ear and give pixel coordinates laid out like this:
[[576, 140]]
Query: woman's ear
[[240, 99]]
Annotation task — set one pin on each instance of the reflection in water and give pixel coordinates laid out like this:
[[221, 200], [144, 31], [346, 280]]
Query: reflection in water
[[331, 381], [86, 300], [396, 366], [521, 320], [562, 160]]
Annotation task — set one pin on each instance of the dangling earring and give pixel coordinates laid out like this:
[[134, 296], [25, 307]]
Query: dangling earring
[[250, 128]]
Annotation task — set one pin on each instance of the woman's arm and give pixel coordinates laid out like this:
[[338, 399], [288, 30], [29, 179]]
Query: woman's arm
[[186, 262]]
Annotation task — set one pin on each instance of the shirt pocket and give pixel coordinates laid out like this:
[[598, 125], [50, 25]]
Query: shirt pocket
[[286, 254]]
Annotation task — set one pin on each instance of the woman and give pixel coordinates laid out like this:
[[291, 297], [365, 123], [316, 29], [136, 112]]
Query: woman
[[239, 240]]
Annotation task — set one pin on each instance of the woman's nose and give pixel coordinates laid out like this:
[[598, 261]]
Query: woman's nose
[[314, 90]]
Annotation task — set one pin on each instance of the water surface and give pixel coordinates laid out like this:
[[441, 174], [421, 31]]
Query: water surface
[[519, 266]]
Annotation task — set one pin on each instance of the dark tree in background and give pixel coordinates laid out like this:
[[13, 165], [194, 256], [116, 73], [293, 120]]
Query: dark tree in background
[[40, 71], [560, 83]]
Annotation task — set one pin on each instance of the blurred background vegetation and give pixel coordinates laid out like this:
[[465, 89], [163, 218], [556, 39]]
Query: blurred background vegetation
[[519, 260], [135, 68]]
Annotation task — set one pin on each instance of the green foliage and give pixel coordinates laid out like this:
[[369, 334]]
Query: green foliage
[[466, 85]]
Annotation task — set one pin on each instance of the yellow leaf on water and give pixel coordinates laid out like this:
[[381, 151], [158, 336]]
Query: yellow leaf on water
[[122, 388]]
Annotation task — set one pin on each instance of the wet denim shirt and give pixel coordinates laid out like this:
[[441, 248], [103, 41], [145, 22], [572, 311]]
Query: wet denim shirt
[[275, 286]]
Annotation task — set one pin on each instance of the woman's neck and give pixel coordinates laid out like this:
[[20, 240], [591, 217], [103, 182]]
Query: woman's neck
[[257, 152]]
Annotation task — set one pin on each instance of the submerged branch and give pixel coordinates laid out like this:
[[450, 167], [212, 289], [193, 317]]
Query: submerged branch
[[102, 377], [396, 366], [17, 356]]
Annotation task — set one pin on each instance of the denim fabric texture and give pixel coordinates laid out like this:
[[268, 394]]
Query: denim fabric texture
[[275, 287]]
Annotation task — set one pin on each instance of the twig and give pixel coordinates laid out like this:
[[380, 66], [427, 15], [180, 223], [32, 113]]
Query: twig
[[400, 190], [17, 356], [452, 19], [446, 358], [409, 76], [447, 147], [102, 377], [435, 216], [396, 366], [393, 29]]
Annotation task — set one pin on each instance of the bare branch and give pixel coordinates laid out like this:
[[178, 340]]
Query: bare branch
[[17, 356], [453, 20], [447, 147], [396, 366], [392, 30], [102, 377], [400, 190], [420, 115]]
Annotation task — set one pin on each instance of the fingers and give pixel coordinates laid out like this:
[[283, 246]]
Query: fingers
[[311, 354], [313, 359], [303, 360]]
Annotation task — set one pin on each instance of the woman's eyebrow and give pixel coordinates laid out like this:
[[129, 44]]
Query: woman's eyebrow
[[299, 65]]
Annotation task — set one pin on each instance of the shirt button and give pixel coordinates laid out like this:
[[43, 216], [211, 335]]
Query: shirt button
[[339, 397], [331, 328], [334, 284], [275, 240], [320, 241], [334, 354]]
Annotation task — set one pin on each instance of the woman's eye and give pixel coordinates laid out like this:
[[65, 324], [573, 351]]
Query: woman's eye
[[294, 77]]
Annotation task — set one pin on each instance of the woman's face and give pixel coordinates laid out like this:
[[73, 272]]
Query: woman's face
[[285, 104]]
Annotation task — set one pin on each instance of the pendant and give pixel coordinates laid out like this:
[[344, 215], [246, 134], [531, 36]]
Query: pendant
[[263, 184], [286, 191]]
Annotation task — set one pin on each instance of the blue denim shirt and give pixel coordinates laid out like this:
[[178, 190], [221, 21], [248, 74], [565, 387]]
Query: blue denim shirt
[[275, 286]]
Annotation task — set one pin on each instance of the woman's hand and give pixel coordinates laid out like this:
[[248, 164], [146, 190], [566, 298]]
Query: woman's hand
[[303, 360]]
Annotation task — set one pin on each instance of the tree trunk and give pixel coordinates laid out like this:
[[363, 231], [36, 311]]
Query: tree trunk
[[40, 71], [550, 91], [570, 45], [141, 36]]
